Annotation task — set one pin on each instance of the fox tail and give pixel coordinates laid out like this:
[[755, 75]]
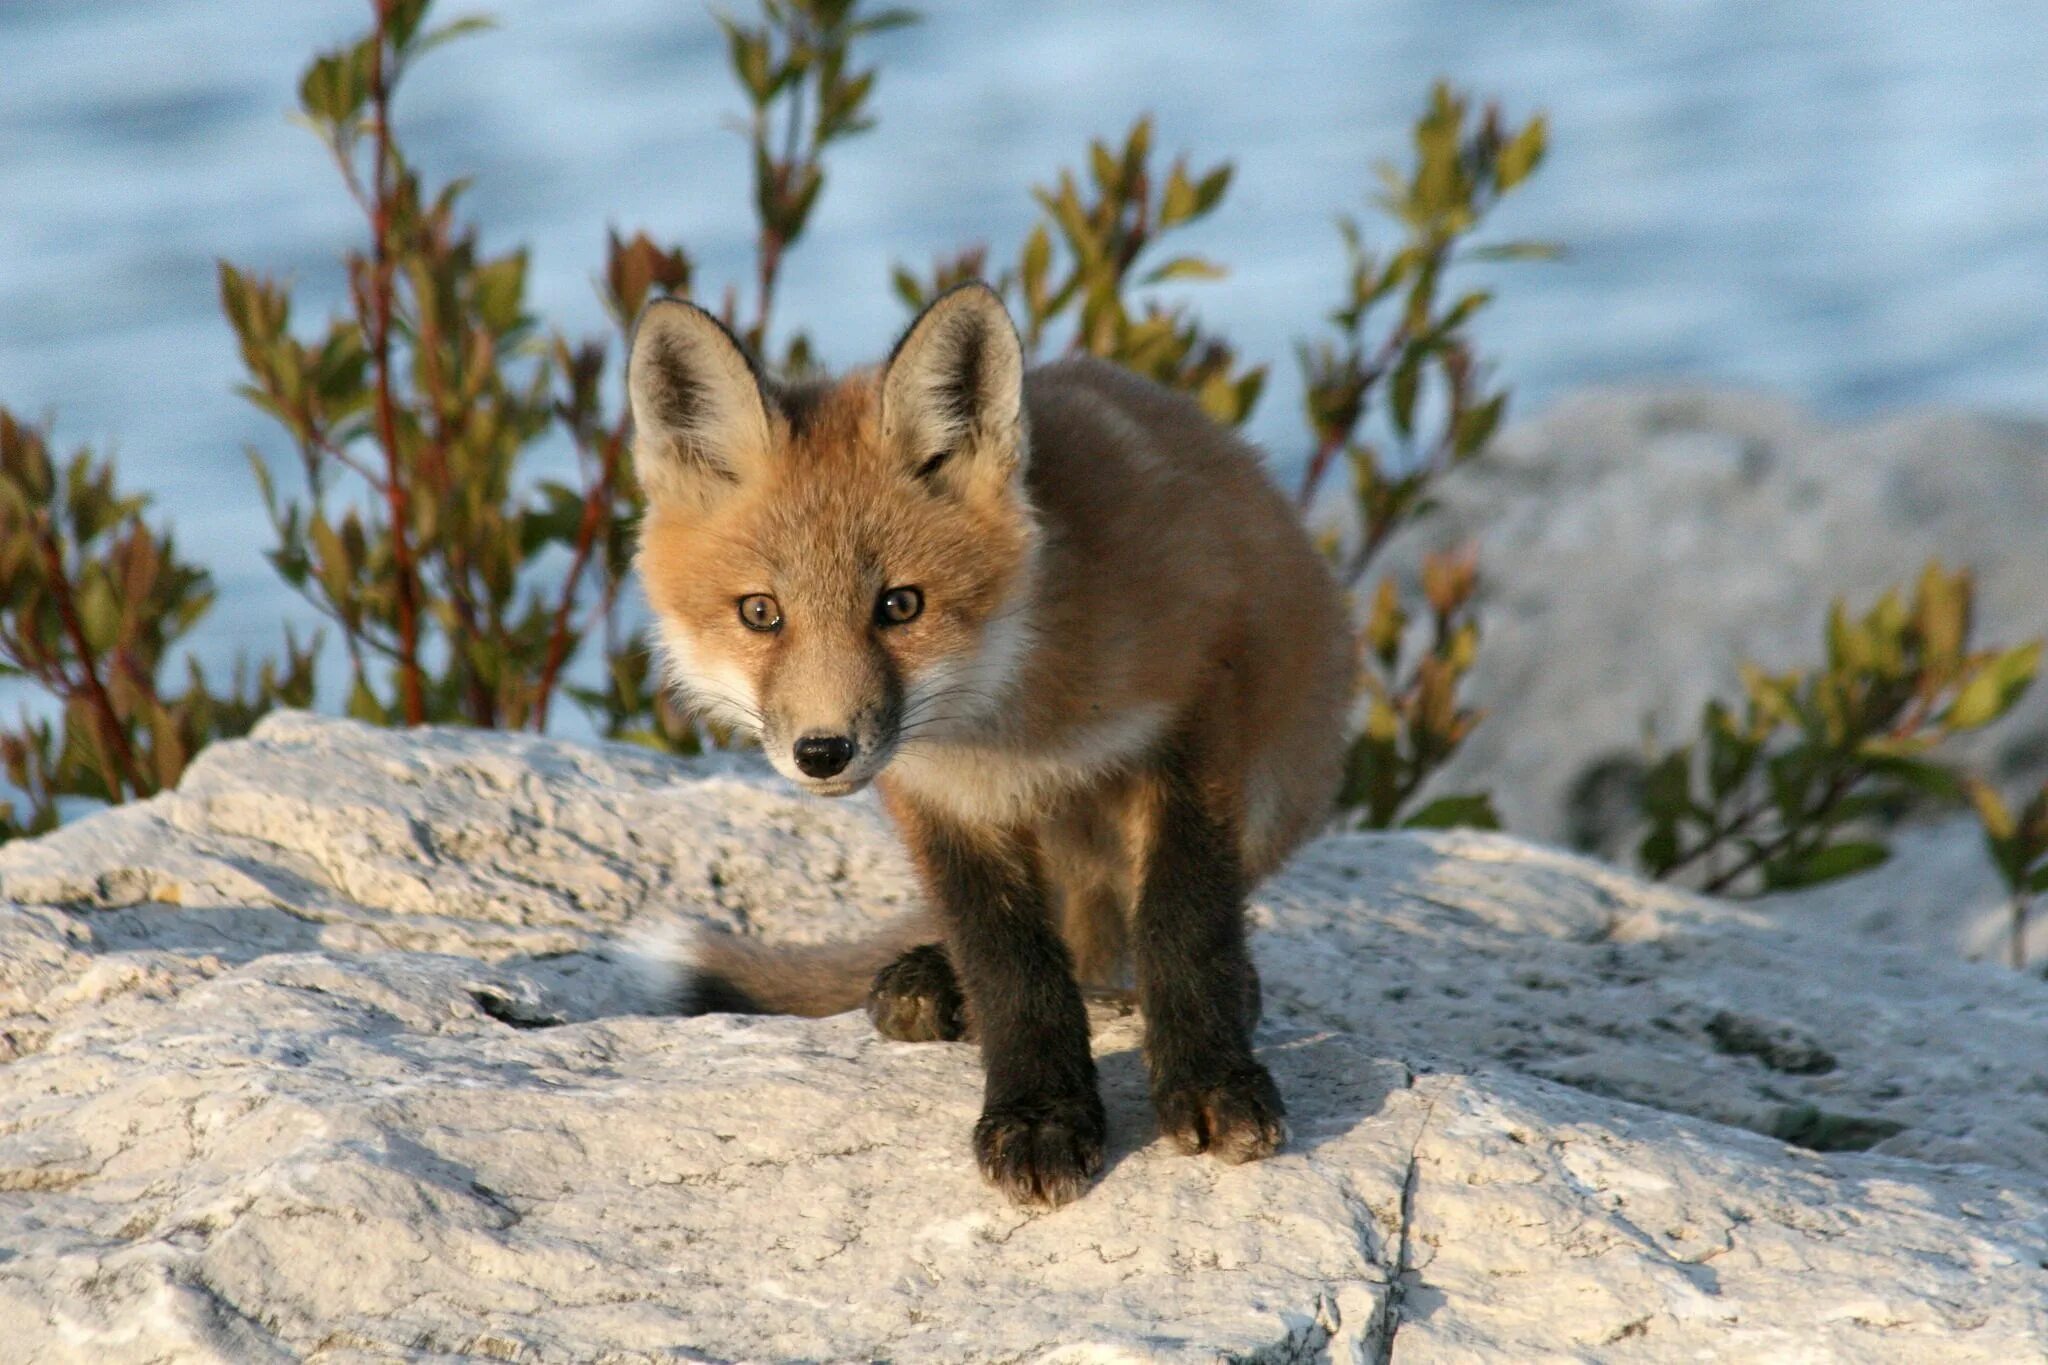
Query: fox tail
[[711, 971]]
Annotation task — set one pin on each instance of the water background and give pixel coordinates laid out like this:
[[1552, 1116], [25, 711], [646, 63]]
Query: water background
[[1847, 202]]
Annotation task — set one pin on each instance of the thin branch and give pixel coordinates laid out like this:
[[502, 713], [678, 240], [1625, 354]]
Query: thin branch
[[113, 751], [412, 690], [326, 445], [596, 510], [1839, 786]]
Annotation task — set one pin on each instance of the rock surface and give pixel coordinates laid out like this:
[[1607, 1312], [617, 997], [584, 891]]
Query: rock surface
[[1635, 545], [340, 1052]]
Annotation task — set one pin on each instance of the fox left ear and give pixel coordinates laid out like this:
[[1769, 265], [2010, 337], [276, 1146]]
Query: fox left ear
[[700, 412], [953, 392]]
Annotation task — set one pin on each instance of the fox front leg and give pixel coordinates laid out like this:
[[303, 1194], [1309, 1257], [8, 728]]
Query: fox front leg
[[1197, 987], [1040, 1138]]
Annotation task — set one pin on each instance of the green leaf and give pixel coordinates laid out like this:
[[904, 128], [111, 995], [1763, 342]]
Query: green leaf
[[1185, 268], [1475, 425], [1471, 811], [404, 18], [364, 706], [1992, 812], [747, 50], [1037, 259], [1462, 311], [450, 31], [907, 287], [1925, 777], [1177, 204], [500, 289], [1517, 251], [1995, 689], [1667, 787], [1523, 153], [884, 20], [99, 613], [1210, 189], [1106, 169], [1658, 850], [1407, 382], [1827, 864], [335, 87]]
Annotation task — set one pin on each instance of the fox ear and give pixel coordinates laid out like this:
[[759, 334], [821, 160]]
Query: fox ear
[[953, 392], [700, 414]]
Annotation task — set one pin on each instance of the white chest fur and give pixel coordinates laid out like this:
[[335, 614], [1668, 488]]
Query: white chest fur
[[985, 784]]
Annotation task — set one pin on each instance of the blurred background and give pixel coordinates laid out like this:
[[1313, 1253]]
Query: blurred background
[[1844, 203]]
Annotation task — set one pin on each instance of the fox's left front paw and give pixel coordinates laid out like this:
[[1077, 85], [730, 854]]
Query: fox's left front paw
[[1042, 1152], [1237, 1117]]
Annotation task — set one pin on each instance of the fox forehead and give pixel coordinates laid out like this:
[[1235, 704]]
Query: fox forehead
[[836, 517]]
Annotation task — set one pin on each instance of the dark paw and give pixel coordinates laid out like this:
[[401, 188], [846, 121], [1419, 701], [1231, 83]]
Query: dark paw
[[1237, 1118], [1042, 1152], [916, 998]]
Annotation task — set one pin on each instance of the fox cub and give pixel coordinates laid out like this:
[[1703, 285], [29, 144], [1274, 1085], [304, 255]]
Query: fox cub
[[1081, 645]]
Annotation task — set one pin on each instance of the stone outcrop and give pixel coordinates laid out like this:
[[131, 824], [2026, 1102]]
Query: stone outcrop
[[1637, 544], [347, 1050]]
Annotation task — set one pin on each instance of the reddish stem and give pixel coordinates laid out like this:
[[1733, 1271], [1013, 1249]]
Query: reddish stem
[[411, 685], [115, 756], [596, 509]]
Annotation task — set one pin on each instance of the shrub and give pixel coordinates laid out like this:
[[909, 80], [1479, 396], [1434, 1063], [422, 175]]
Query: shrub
[[92, 601], [2018, 845], [462, 588], [1790, 788]]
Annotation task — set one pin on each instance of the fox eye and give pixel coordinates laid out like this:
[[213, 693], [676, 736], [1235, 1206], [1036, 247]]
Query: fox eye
[[759, 611], [898, 605]]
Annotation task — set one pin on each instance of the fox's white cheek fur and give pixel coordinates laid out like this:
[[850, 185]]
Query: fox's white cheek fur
[[960, 694], [715, 689]]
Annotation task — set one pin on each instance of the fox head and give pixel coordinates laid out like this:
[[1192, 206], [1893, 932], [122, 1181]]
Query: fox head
[[841, 568]]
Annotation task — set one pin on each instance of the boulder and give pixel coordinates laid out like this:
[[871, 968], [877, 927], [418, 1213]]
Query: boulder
[[350, 1049], [1637, 544]]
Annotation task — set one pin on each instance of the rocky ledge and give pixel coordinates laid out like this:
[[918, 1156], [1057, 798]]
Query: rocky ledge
[[341, 1052]]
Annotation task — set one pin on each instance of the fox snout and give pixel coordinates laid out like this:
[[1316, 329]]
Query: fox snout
[[822, 755], [828, 751]]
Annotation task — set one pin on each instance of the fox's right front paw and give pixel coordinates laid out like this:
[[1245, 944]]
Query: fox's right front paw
[[917, 999], [1042, 1152], [1237, 1117]]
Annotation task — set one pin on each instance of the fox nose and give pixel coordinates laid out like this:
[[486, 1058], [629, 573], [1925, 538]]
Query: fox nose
[[823, 755]]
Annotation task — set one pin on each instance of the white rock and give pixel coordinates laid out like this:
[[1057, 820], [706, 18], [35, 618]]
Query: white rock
[[1636, 545], [331, 1054]]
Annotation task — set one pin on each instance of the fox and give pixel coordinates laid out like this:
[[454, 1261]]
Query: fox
[[1078, 641]]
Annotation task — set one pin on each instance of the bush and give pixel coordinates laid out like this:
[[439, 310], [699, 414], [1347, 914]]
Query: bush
[[92, 601], [1792, 788]]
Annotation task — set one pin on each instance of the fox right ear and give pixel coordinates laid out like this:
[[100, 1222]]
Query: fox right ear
[[953, 392], [700, 414]]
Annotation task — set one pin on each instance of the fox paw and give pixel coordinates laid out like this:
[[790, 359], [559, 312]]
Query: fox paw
[[917, 999], [1042, 1152], [1237, 1118]]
